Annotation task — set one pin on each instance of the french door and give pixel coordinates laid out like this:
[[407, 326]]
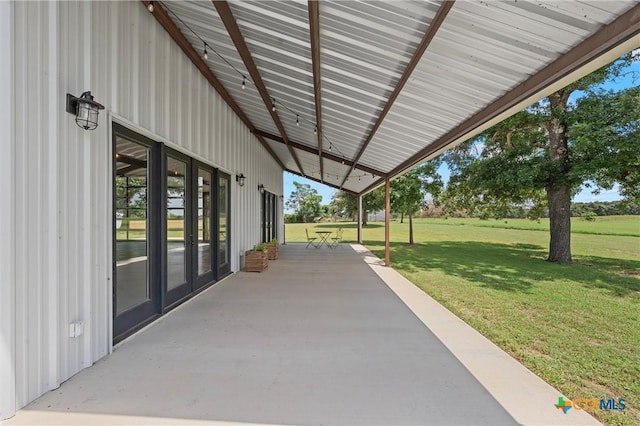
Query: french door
[[269, 216], [166, 208]]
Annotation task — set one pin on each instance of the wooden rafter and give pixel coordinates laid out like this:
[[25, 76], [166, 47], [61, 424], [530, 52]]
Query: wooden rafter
[[434, 26], [229, 21], [170, 27], [314, 36], [318, 180], [314, 151], [624, 28]]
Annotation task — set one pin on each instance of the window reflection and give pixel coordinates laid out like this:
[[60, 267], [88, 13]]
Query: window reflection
[[132, 224], [176, 222]]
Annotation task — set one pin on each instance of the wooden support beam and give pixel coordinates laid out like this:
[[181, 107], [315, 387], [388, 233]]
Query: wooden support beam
[[609, 37], [314, 151], [387, 221], [434, 26], [359, 219], [174, 32], [229, 21], [318, 180], [314, 37]]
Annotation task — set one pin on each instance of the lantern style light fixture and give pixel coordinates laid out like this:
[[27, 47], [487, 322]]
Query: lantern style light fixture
[[261, 188], [85, 109], [240, 179]]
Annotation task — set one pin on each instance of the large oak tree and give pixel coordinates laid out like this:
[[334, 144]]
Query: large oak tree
[[542, 156]]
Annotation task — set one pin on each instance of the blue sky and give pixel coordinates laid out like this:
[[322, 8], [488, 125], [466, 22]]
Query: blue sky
[[583, 196]]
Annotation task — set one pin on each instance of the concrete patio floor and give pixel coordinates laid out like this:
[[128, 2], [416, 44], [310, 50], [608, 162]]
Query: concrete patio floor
[[322, 337]]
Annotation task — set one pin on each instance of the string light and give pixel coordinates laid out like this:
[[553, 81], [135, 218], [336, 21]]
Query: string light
[[150, 6]]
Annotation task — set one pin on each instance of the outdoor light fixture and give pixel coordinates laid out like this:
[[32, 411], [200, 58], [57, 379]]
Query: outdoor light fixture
[[261, 188], [85, 109], [240, 179]]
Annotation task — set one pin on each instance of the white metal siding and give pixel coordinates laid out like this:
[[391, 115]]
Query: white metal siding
[[63, 173], [7, 234]]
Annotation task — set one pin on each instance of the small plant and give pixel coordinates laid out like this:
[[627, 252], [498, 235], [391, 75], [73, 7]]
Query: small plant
[[260, 247], [274, 241]]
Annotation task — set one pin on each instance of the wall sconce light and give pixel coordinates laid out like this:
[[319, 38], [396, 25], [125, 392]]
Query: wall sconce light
[[261, 188], [85, 109], [240, 179]]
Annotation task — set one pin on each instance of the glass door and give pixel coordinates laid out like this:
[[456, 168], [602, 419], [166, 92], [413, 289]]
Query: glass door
[[224, 242], [134, 297], [203, 249], [177, 232]]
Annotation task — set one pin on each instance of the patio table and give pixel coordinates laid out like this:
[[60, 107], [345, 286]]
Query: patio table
[[324, 235]]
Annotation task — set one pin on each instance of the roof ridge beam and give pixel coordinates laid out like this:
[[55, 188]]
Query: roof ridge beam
[[229, 21], [434, 26], [314, 36], [315, 151], [174, 32], [324, 183]]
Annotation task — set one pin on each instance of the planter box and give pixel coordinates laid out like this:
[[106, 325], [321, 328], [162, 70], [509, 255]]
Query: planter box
[[272, 250], [255, 261]]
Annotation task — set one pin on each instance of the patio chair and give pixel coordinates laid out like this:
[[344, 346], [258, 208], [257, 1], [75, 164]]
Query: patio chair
[[310, 240], [337, 239]]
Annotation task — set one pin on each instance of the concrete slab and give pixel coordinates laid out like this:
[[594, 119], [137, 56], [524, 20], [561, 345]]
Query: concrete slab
[[318, 338]]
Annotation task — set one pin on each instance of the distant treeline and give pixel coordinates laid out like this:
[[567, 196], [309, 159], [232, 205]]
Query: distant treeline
[[598, 208], [605, 208]]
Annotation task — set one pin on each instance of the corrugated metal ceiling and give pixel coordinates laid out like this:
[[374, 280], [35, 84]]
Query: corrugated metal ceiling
[[480, 52]]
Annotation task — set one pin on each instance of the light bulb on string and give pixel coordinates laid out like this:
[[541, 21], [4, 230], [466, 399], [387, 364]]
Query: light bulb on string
[[243, 81], [315, 130], [273, 106], [358, 178], [297, 120], [206, 54], [150, 6]]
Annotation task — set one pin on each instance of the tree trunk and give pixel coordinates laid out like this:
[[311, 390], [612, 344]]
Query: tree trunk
[[401, 217], [559, 187], [410, 228], [364, 217], [560, 224]]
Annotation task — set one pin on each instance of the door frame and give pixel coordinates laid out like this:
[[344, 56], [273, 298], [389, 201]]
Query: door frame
[[137, 317]]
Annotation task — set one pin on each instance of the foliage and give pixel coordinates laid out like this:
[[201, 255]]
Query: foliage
[[344, 204], [540, 157], [260, 247], [606, 208], [588, 216], [409, 191], [305, 202], [372, 202]]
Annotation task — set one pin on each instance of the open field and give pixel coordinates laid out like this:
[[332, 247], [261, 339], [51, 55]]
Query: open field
[[574, 325]]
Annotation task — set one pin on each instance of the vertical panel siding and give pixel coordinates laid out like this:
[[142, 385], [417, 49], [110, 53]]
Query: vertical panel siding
[[7, 217], [63, 173]]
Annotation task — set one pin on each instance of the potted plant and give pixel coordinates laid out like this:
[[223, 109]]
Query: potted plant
[[272, 249], [256, 258]]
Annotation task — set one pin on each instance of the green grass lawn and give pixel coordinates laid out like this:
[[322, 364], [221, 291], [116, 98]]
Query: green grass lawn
[[576, 326]]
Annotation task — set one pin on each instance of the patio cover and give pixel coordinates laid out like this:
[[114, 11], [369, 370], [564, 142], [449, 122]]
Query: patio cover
[[349, 93]]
